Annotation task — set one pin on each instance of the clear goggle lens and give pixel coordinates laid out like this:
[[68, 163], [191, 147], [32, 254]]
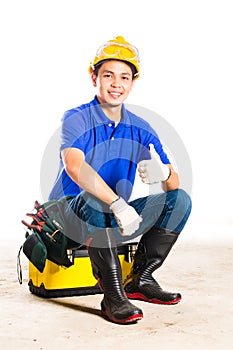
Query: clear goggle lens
[[123, 51]]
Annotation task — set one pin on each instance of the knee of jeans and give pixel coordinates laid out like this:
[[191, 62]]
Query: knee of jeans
[[184, 200], [93, 203]]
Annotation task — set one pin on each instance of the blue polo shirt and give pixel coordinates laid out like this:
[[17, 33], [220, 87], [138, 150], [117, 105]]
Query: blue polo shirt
[[113, 151]]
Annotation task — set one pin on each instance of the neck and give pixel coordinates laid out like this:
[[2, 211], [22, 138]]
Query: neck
[[112, 112]]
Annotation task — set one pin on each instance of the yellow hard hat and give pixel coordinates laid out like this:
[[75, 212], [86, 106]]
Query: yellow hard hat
[[117, 49]]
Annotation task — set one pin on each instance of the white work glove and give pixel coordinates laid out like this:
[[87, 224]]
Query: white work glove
[[126, 217], [153, 170]]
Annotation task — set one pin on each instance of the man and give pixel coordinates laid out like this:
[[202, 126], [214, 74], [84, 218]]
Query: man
[[102, 145]]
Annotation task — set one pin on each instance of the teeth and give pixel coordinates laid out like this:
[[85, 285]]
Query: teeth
[[115, 93]]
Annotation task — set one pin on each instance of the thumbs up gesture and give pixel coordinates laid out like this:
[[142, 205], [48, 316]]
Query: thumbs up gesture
[[153, 170]]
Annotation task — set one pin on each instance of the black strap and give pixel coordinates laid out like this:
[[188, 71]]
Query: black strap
[[19, 267]]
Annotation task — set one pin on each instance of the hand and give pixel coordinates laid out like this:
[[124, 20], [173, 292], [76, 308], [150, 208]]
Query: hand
[[153, 170], [126, 217]]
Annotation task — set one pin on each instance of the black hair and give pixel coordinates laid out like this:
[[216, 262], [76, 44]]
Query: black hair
[[99, 64]]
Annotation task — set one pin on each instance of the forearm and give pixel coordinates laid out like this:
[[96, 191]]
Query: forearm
[[85, 176], [172, 183], [88, 179], [126, 216]]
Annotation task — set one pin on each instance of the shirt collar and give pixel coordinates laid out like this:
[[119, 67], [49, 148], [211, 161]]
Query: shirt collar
[[101, 118]]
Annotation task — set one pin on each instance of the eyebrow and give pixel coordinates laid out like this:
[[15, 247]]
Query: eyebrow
[[109, 71]]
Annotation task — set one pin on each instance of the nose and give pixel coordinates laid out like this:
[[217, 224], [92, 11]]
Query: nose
[[116, 82]]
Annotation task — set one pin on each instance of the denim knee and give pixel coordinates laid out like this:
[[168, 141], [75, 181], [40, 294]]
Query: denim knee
[[182, 208], [176, 210], [94, 211], [185, 200]]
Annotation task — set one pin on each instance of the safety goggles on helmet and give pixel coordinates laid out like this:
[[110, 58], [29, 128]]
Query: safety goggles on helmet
[[124, 51], [117, 49]]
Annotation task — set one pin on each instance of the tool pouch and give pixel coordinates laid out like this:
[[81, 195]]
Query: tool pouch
[[45, 236], [35, 250]]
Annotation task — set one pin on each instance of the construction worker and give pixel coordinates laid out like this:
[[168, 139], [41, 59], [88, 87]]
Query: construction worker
[[102, 146]]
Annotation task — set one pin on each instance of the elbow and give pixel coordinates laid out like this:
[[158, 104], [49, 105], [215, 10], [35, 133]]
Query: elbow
[[73, 171]]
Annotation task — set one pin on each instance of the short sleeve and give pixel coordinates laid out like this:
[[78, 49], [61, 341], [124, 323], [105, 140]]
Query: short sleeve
[[73, 130]]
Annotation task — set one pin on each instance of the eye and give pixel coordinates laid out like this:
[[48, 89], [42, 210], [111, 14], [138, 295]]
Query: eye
[[107, 75]]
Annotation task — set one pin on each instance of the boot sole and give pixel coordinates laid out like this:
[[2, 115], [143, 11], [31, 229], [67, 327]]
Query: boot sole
[[142, 297], [130, 319]]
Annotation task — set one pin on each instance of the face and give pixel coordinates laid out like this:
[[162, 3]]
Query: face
[[113, 83]]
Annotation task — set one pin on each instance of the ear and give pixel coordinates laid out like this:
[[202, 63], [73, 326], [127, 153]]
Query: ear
[[94, 78]]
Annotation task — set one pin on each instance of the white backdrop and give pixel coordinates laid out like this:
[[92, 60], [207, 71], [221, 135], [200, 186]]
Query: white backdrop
[[187, 78]]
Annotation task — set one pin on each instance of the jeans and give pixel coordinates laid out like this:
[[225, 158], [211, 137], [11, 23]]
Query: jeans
[[86, 214]]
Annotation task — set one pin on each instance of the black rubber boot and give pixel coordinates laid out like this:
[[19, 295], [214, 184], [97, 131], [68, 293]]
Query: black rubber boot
[[152, 250], [107, 270]]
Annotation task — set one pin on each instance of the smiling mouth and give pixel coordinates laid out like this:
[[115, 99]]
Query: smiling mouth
[[116, 94]]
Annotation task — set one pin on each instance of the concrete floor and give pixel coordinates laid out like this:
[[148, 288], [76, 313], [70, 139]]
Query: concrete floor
[[202, 272]]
